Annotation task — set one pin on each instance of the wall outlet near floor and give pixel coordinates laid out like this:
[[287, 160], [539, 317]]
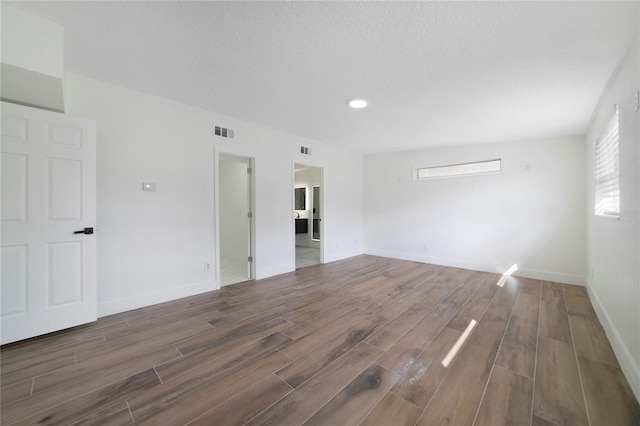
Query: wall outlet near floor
[[207, 267]]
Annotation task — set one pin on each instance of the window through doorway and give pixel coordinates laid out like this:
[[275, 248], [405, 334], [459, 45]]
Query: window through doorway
[[307, 196]]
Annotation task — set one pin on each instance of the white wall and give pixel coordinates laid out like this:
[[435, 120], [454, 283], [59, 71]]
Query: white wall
[[533, 218], [152, 245], [614, 245]]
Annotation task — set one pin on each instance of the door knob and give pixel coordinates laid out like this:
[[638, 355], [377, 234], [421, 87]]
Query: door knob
[[87, 231]]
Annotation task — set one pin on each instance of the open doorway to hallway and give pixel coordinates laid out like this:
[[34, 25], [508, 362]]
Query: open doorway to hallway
[[308, 206], [235, 218]]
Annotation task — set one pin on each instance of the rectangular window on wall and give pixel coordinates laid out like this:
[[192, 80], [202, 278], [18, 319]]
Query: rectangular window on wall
[[451, 170], [607, 170]]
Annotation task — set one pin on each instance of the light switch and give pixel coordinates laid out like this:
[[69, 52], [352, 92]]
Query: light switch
[[148, 186]]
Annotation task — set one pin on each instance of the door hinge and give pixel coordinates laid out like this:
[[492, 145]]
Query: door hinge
[[249, 170], [250, 259], [250, 215]]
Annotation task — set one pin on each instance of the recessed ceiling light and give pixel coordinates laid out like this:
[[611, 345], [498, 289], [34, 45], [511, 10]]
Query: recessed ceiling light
[[357, 103]]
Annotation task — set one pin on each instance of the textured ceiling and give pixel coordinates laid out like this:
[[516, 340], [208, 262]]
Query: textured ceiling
[[434, 73]]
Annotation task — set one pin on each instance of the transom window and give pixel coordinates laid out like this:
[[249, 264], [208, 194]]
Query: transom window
[[463, 169]]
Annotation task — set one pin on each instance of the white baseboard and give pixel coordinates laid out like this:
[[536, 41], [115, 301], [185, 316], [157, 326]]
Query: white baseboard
[[535, 274], [127, 304], [628, 363]]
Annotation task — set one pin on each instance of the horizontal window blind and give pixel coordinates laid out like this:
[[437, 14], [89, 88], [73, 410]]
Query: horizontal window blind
[[607, 170]]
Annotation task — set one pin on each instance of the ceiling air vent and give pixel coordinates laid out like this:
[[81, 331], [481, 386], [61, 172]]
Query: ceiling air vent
[[223, 132], [305, 150]]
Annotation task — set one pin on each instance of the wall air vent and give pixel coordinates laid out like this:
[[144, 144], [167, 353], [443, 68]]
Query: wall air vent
[[305, 150], [223, 132]]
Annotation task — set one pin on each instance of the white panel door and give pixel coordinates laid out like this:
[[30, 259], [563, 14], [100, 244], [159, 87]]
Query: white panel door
[[48, 196]]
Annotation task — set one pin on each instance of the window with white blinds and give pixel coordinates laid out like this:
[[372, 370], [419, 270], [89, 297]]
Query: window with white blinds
[[607, 170]]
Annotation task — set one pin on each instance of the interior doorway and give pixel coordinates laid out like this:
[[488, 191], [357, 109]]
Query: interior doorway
[[235, 195], [308, 207]]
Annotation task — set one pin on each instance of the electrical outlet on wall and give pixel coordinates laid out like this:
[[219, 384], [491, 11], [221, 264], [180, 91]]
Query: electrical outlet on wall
[[207, 267]]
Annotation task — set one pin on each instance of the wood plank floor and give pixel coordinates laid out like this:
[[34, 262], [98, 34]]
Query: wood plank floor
[[355, 342]]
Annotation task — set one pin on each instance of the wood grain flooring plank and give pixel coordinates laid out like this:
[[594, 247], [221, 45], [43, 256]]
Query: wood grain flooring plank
[[506, 295], [353, 403], [39, 411], [264, 297], [70, 336], [28, 367], [474, 307], [372, 288], [507, 399], [558, 395], [538, 421], [311, 297], [118, 414], [15, 392], [554, 322], [188, 308], [306, 326], [316, 308], [190, 395], [65, 384], [308, 398], [411, 345], [518, 350], [577, 300], [610, 400], [395, 297], [246, 405], [93, 374], [527, 304], [459, 394], [390, 333], [121, 346], [392, 410], [246, 312], [435, 295], [23, 365], [51, 344], [404, 352], [420, 379], [391, 310], [319, 336], [308, 365], [221, 335], [164, 330], [267, 337], [591, 341], [491, 328]]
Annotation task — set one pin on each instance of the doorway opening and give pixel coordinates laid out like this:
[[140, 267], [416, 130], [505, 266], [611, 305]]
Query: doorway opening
[[235, 201], [308, 205]]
